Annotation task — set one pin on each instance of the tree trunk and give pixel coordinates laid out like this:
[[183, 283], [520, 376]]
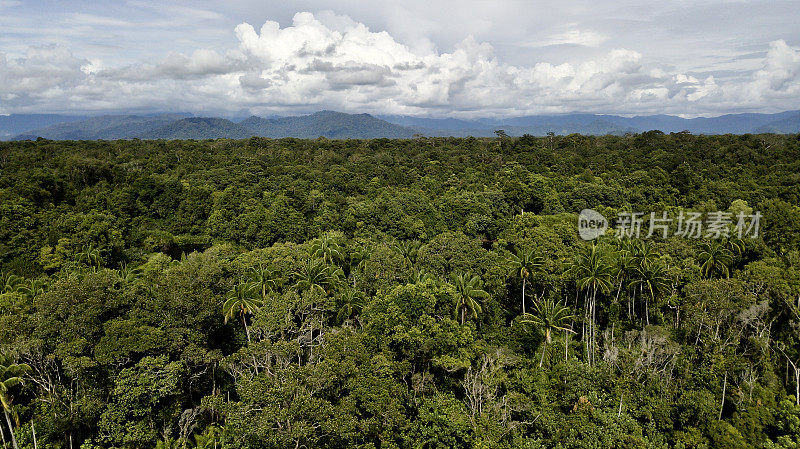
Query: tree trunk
[[524, 281], [796, 386], [724, 387], [11, 429], [586, 326], [544, 349], [592, 326], [246, 329]]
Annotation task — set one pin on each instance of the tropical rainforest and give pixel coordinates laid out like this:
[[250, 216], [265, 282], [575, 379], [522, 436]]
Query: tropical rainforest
[[404, 293]]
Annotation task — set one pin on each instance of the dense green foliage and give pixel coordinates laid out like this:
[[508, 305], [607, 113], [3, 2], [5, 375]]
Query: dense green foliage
[[370, 294]]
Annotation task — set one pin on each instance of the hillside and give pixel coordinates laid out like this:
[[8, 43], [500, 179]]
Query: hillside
[[339, 125], [598, 124], [198, 128], [786, 125], [330, 124], [14, 124], [108, 127]]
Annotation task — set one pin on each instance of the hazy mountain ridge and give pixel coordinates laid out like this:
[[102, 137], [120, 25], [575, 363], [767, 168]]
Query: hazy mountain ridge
[[338, 125], [334, 125], [199, 128], [14, 124], [106, 127], [787, 122], [330, 124]]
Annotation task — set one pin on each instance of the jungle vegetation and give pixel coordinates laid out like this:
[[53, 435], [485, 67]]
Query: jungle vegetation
[[415, 293]]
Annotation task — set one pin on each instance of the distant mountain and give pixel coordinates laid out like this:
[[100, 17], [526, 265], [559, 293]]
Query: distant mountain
[[333, 125], [103, 127], [330, 124], [13, 124], [338, 125], [788, 125], [783, 122], [199, 128]]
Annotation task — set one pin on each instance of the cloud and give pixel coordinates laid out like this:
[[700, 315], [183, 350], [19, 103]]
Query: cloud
[[202, 63], [780, 75], [332, 61], [43, 75], [585, 38], [9, 3]]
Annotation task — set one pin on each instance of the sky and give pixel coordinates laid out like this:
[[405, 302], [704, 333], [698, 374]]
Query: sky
[[428, 58]]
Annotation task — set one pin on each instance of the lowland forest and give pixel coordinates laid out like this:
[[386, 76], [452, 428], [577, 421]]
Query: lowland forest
[[429, 292]]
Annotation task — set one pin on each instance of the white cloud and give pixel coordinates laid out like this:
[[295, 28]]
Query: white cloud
[[44, 74], [332, 61], [780, 75], [586, 38]]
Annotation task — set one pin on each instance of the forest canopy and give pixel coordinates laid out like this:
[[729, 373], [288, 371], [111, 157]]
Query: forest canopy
[[426, 293]]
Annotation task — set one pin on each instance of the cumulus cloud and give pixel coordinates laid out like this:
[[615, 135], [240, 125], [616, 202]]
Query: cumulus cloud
[[335, 62], [43, 75], [780, 75]]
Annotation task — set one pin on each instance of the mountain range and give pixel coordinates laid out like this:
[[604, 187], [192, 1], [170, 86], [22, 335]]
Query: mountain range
[[338, 125]]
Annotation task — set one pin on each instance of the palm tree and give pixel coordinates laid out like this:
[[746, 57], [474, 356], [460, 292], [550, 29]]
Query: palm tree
[[468, 290], [550, 316], [643, 254], [319, 276], [524, 263], [356, 260], [10, 376], [593, 273], [653, 279], [418, 276], [128, 274], [242, 299], [735, 245], [408, 249], [327, 248], [32, 288], [351, 302], [91, 256], [9, 283], [264, 278], [624, 269], [715, 259]]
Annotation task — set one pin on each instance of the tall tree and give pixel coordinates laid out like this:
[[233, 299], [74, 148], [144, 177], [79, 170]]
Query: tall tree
[[653, 280], [469, 289], [317, 275], [408, 249], [715, 259], [350, 303], [264, 278], [593, 273], [10, 376], [355, 261], [525, 263], [243, 300], [328, 248], [549, 316]]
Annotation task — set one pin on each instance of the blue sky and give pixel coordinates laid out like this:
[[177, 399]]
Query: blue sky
[[425, 58]]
